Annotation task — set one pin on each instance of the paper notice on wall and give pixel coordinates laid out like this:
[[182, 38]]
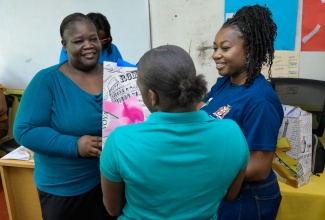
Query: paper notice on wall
[[285, 64]]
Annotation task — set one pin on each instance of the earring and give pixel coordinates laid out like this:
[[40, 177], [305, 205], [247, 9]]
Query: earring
[[246, 61]]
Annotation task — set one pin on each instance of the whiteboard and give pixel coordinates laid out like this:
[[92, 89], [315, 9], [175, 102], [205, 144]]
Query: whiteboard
[[190, 24], [30, 37], [193, 24]]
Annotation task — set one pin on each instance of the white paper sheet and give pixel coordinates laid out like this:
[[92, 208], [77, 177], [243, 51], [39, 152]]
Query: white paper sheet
[[21, 153]]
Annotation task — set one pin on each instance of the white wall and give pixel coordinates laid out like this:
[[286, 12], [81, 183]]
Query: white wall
[[30, 38], [192, 24]]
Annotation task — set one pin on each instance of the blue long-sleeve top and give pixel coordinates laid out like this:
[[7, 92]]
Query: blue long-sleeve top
[[53, 114]]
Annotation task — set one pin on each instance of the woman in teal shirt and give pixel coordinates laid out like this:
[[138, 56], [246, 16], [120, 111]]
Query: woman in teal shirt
[[180, 162], [59, 118]]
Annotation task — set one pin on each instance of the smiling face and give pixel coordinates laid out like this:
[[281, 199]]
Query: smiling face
[[229, 52], [82, 45]]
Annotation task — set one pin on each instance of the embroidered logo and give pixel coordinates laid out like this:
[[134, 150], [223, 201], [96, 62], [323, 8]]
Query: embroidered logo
[[222, 112]]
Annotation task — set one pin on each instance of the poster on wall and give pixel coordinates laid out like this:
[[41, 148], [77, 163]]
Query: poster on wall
[[285, 64], [284, 15], [313, 25]]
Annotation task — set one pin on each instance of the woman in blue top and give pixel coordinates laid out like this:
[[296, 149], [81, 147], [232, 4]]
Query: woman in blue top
[[59, 118], [242, 45], [180, 162], [109, 51]]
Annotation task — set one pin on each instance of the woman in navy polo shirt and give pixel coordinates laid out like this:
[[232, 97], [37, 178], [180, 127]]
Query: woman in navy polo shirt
[[243, 44]]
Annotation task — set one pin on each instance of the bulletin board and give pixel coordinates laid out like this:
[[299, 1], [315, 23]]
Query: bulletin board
[[193, 24]]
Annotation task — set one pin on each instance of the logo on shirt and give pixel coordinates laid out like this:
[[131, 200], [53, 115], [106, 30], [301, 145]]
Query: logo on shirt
[[222, 112]]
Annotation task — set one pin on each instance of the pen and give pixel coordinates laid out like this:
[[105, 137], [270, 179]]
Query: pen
[[207, 103]]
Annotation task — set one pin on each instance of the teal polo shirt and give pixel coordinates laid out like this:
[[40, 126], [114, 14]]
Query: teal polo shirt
[[174, 165]]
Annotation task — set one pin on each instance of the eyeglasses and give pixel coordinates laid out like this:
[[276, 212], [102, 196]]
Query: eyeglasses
[[105, 40]]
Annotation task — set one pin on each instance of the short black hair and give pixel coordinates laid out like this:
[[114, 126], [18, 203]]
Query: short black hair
[[70, 20]]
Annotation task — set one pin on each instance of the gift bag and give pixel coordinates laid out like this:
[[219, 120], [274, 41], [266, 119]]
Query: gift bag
[[293, 156], [122, 100]]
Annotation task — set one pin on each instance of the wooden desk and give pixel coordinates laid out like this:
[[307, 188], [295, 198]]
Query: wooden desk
[[20, 190], [306, 202]]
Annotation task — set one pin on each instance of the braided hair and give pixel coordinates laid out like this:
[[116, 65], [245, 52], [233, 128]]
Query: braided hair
[[259, 33], [102, 23]]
